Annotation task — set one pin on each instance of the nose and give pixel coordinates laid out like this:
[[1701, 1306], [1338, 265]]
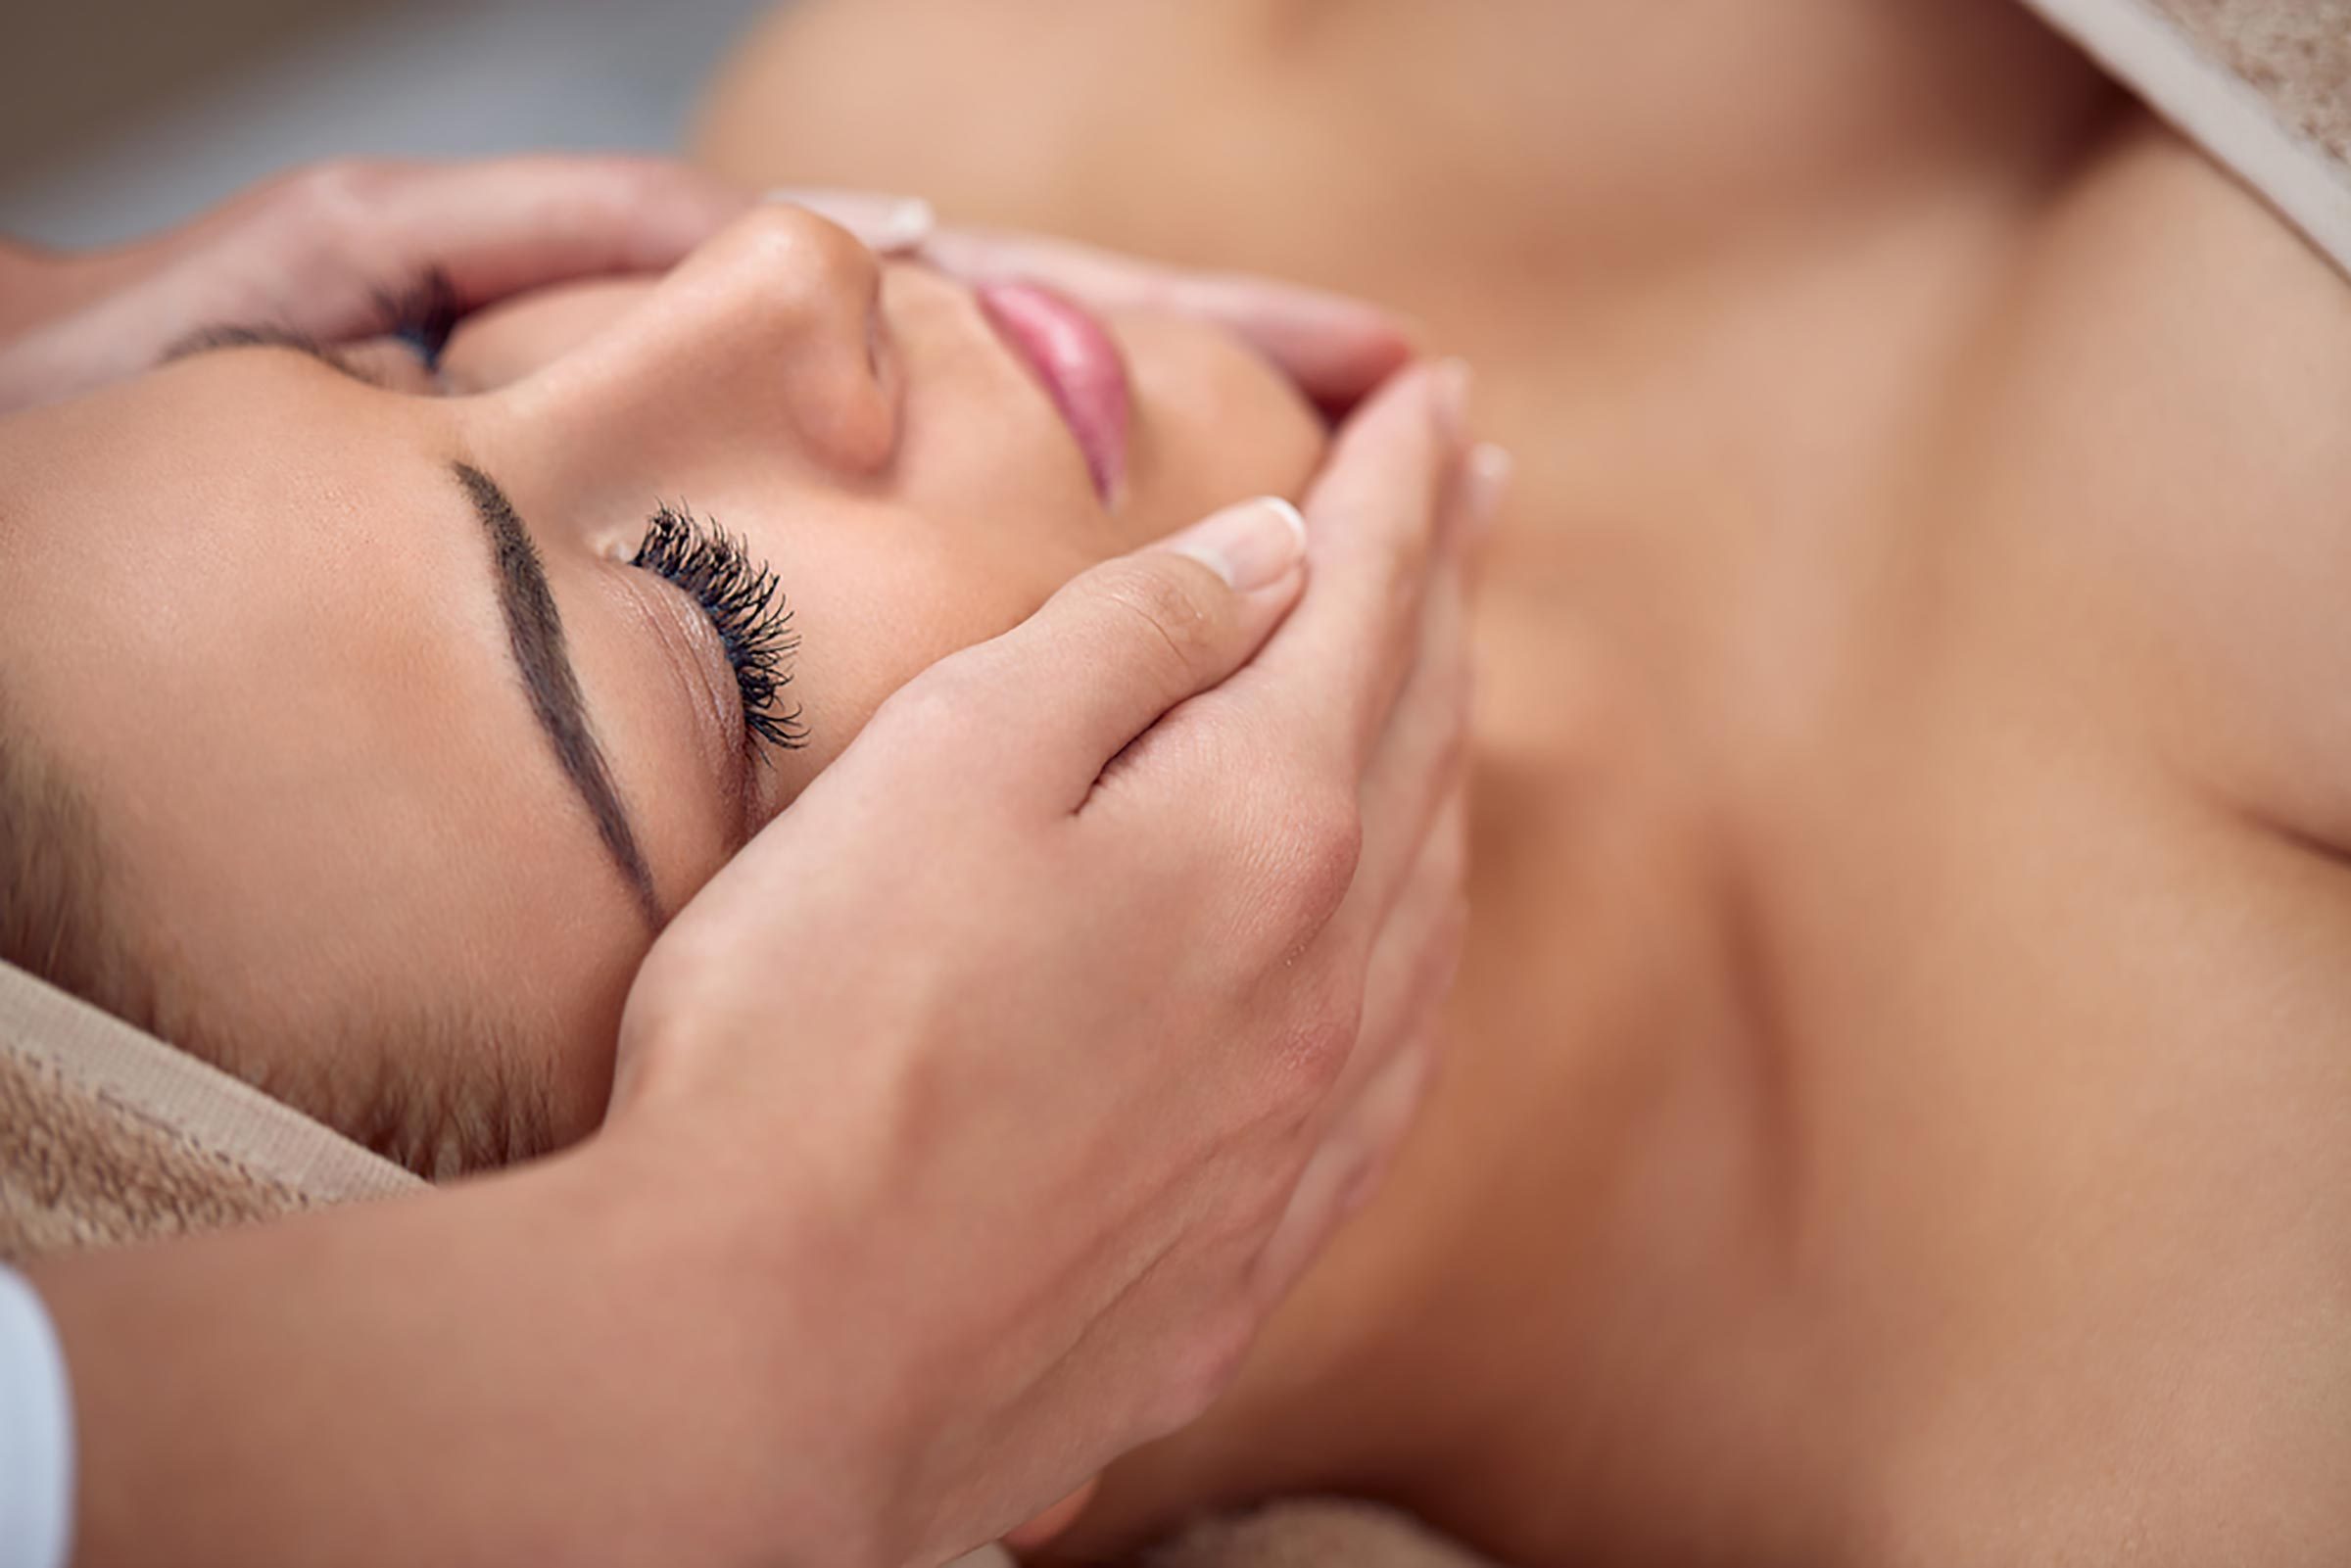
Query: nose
[[766, 345]]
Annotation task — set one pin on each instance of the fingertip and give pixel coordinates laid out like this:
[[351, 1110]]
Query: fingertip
[[1042, 1531], [1397, 430], [1486, 475], [1251, 545], [891, 225], [1294, 520]]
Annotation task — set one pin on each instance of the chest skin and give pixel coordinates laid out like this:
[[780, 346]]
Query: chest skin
[[1898, 1088]]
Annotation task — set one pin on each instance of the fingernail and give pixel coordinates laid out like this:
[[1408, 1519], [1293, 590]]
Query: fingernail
[[1451, 399], [1485, 480], [889, 225], [1251, 545]]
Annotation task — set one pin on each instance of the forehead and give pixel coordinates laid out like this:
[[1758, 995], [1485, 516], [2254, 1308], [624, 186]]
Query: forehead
[[248, 614], [235, 541], [192, 480]]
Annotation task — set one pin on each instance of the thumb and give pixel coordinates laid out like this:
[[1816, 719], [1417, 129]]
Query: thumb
[[1120, 644]]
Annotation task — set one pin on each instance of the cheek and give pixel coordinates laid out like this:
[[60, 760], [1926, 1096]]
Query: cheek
[[1212, 424], [876, 608]]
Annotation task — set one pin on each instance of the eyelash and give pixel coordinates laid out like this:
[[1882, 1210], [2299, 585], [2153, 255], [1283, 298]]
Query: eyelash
[[746, 608]]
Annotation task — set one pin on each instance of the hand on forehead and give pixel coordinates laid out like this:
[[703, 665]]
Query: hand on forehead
[[322, 251]]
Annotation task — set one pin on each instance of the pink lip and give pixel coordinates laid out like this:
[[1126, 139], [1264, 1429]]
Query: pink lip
[[1080, 365]]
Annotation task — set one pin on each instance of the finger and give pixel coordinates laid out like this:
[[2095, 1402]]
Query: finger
[[1371, 525], [887, 225], [346, 234], [1418, 760], [1337, 350], [1344, 1171], [1391, 1104], [1040, 1531], [505, 226], [1411, 955], [1071, 688], [1371, 1108], [328, 251]]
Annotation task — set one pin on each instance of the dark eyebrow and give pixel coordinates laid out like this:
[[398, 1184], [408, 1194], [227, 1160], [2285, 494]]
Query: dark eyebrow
[[535, 634]]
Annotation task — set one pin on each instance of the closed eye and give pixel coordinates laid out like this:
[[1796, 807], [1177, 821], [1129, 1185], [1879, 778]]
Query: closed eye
[[746, 606], [213, 340], [419, 317]]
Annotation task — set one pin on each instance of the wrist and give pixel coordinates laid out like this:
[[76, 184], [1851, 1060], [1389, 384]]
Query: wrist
[[759, 1312], [542, 1367]]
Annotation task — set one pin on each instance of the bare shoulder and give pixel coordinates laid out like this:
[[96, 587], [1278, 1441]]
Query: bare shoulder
[[2107, 1101], [2166, 456]]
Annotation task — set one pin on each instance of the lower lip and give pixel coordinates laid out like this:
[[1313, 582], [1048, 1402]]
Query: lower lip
[[1073, 356]]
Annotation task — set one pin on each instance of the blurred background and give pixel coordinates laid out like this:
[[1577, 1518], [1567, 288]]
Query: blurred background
[[120, 116]]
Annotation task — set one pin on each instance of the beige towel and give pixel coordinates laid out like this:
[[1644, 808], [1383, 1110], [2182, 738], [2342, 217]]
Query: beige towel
[[107, 1134]]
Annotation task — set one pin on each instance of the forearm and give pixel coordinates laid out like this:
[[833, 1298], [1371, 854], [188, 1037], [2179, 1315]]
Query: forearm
[[422, 1381]]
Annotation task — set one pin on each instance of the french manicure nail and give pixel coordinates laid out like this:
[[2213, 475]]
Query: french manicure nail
[[889, 225], [1251, 545], [1485, 480]]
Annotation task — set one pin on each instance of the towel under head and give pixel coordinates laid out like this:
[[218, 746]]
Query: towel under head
[[108, 1135]]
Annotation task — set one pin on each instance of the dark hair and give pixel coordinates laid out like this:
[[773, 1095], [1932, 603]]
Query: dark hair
[[53, 912], [66, 917]]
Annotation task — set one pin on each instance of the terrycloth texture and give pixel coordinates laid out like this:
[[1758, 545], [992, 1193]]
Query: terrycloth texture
[[2263, 85], [2295, 53], [107, 1135]]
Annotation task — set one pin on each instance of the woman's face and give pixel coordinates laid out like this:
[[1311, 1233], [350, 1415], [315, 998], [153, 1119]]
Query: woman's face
[[385, 708]]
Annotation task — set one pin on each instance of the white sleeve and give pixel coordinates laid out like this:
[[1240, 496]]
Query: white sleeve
[[37, 1433]]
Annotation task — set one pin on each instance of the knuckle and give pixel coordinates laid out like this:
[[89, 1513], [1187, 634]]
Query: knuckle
[[1171, 612], [1317, 1036], [1319, 1047], [1323, 845], [941, 704]]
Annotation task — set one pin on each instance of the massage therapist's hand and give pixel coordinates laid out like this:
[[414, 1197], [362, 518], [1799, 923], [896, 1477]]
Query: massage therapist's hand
[[1048, 983], [329, 251], [958, 1141], [326, 252]]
